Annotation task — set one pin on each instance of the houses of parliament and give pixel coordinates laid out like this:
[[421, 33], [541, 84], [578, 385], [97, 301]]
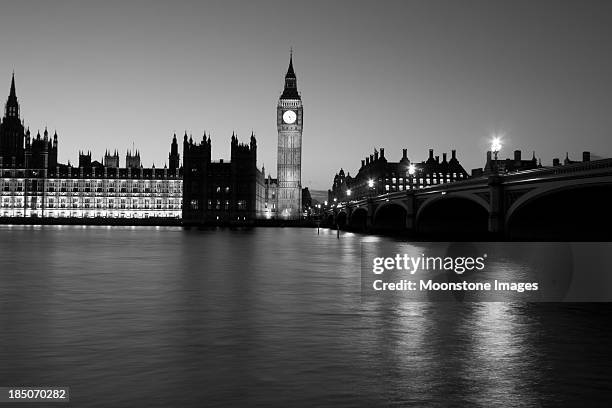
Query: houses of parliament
[[33, 184]]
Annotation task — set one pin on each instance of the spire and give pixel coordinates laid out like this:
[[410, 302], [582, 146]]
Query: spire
[[13, 94], [290, 71], [290, 91], [12, 106]]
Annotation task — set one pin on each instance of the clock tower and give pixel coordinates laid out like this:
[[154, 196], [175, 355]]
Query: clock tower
[[289, 121]]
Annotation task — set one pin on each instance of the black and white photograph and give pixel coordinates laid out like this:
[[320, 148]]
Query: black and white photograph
[[232, 203]]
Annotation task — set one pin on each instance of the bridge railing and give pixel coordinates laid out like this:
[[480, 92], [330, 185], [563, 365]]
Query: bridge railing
[[562, 170]]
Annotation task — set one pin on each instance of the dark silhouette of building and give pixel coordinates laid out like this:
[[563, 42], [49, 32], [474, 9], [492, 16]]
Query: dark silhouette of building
[[174, 159], [111, 160], [132, 160], [221, 192], [508, 165], [17, 148], [377, 176], [586, 157]]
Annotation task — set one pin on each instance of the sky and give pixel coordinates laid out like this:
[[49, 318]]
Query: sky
[[409, 74]]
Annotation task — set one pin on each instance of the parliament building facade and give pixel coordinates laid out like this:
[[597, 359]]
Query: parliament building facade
[[33, 184]]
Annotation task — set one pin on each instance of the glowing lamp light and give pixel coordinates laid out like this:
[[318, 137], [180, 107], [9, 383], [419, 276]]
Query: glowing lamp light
[[411, 169], [496, 144], [370, 183], [348, 192]]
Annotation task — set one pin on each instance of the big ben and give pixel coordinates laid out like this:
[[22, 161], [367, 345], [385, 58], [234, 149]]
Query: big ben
[[289, 121]]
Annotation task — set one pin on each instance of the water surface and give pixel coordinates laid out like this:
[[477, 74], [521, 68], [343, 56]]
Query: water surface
[[156, 317]]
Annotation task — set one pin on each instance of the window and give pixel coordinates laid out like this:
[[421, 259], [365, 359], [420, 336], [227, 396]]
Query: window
[[194, 204]]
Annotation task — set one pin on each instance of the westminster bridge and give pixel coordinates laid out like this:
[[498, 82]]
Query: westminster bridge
[[570, 202]]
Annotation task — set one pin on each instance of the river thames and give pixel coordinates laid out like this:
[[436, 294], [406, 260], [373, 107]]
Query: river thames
[[158, 317]]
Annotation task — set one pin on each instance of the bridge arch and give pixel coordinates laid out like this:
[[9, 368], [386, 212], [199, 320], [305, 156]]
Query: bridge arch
[[390, 216], [456, 216], [576, 210], [358, 220]]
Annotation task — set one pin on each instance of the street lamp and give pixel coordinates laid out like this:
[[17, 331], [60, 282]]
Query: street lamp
[[411, 171], [496, 145], [370, 186], [348, 192]]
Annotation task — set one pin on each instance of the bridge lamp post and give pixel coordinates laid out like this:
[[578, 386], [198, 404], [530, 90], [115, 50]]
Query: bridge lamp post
[[411, 171], [370, 186], [496, 146], [348, 194]]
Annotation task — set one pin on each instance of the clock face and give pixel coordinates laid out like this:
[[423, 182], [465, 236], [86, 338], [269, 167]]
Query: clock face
[[289, 116]]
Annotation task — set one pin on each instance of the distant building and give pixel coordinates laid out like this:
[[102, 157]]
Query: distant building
[[377, 176], [17, 148], [34, 184], [111, 160], [132, 160], [586, 157], [222, 192], [270, 196]]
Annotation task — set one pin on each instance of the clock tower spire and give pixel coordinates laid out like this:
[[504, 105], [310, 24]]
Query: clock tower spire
[[289, 122]]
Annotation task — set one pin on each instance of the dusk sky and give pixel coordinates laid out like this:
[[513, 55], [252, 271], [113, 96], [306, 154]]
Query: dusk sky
[[393, 74]]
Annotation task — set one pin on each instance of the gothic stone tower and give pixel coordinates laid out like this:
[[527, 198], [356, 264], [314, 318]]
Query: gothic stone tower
[[12, 135], [289, 121]]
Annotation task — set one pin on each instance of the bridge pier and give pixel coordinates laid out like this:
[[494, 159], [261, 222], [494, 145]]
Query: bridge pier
[[370, 217], [497, 215], [410, 213]]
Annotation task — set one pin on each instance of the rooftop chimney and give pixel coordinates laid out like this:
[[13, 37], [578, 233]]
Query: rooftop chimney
[[556, 162], [454, 154], [443, 157], [431, 153], [437, 159], [586, 156], [517, 155], [376, 155], [404, 153], [382, 152], [362, 163], [367, 160]]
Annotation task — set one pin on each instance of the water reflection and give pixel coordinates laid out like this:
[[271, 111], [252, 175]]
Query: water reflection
[[167, 317]]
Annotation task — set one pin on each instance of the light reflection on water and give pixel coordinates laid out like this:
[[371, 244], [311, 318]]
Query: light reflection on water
[[168, 317]]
